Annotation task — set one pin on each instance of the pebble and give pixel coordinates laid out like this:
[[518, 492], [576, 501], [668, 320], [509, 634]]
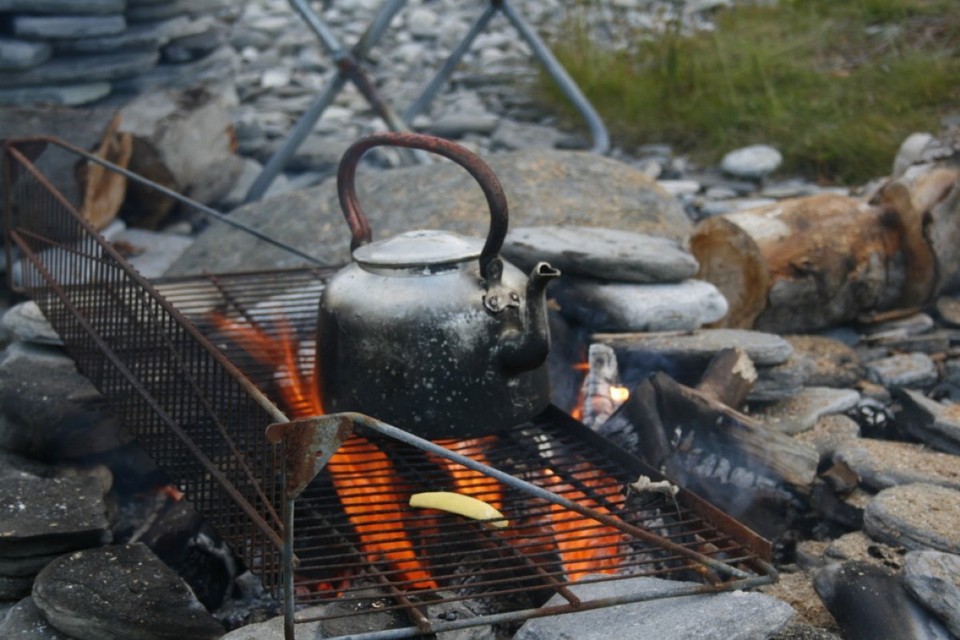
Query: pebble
[[753, 162], [933, 578], [915, 516]]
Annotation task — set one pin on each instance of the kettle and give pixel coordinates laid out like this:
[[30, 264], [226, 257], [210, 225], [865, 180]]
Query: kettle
[[429, 330]]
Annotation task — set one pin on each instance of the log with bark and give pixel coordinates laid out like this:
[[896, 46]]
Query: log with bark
[[756, 474]]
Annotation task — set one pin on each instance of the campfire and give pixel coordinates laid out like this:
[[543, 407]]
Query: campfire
[[201, 366]]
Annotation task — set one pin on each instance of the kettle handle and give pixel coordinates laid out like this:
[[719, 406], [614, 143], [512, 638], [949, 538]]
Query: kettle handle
[[482, 173]]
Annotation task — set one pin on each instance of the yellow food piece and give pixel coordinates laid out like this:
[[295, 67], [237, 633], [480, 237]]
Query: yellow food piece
[[459, 504]]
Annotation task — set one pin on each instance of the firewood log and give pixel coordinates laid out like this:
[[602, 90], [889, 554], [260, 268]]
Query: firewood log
[[808, 263]]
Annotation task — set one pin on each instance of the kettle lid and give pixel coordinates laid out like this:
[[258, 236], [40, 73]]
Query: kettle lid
[[422, 248]]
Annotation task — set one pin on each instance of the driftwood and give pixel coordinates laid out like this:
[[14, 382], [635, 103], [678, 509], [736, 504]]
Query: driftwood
[[698, 442], [810, 262]]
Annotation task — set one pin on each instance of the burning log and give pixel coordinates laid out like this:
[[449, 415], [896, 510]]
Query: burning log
[[812, 262], [704, 445]]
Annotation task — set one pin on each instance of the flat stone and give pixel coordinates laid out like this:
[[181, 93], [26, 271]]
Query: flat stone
[[15, 587], [42, 516], [206, 35], [679, 306], [27, 323], [781, 381], [71, 7], [67, 26], [869, 602], [753, 162], [933, 578], [602, 253], [543, 187], [764, 349], [860, 547], [948, 308], [915, 516], [914, 370], [723, 616], [146, 36], [119, 592], [22, 54], [801, 412], [48, 410], [150, 252], [63, 95], [828, 433], [26, 622], [138, 12], [887, 463], [457, 125], [929, 421], [834, 364], [27, 566], [911, 325], [82, 69]]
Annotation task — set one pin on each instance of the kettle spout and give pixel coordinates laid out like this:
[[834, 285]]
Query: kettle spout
[[526, 347]]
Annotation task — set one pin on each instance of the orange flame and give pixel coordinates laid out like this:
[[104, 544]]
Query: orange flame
[[358, 471]]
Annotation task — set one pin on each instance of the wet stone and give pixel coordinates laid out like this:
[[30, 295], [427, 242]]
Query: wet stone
[[933, 577], [801, 412], [26, 622], [915, 516], [43, 516], [869, 602], [914, 370], [723, 616], [882, 463], [640, 307], [607, 254], [127, 593]]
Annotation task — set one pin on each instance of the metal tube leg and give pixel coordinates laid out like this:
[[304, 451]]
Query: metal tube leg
[[601, 140]]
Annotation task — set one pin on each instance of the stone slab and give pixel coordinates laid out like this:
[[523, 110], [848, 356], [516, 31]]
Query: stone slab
[[933, 578], [127, 593], [887, 463], [602, 253], [81, 69], [931, 422], [802, 411], [63, 6], [26, 622], [62, 95], [915, 516], [70, 26], [764, 349], [914, 370], [725, 616], [22, 54], [43, 516], [682, 306], [148, 36]]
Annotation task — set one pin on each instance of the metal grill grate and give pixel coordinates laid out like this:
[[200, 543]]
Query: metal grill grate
[[199, 402]]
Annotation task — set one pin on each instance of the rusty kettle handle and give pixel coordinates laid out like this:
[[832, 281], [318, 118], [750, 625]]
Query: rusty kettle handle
[[496, 199]]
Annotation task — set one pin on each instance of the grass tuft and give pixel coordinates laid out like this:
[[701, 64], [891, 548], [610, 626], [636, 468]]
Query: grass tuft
[[835, 85]]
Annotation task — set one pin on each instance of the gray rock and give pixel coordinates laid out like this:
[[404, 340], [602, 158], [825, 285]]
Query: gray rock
[[914, 370], [724, 616], [834, 364], [70, 7], [43, 516], [457, 125], [764, 349], [27, 566], [602, 253], [681, 306], [150, 252], [147, 36], [206, 36], [753, 162], [81, 69], [127, 593], [933, 578], [801, 412], [911, 325], [63, 95], [67, 26], [511, 135], [869, 602], [22, 54], [27, 323], [15, 587], [931, 422], [139, 12], [542, 187], [881, 463], [781, 381], [273, 629], [214, 72], [911, 151], [915, 516], [26, 622], [860, 547]]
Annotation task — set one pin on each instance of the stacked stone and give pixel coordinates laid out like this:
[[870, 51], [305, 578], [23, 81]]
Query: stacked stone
[[73, 53]]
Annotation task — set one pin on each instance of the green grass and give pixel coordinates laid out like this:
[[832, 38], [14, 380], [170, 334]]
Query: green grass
[[835, 85]]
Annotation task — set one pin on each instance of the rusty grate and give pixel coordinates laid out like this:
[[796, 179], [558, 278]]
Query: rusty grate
[[199, 400]]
